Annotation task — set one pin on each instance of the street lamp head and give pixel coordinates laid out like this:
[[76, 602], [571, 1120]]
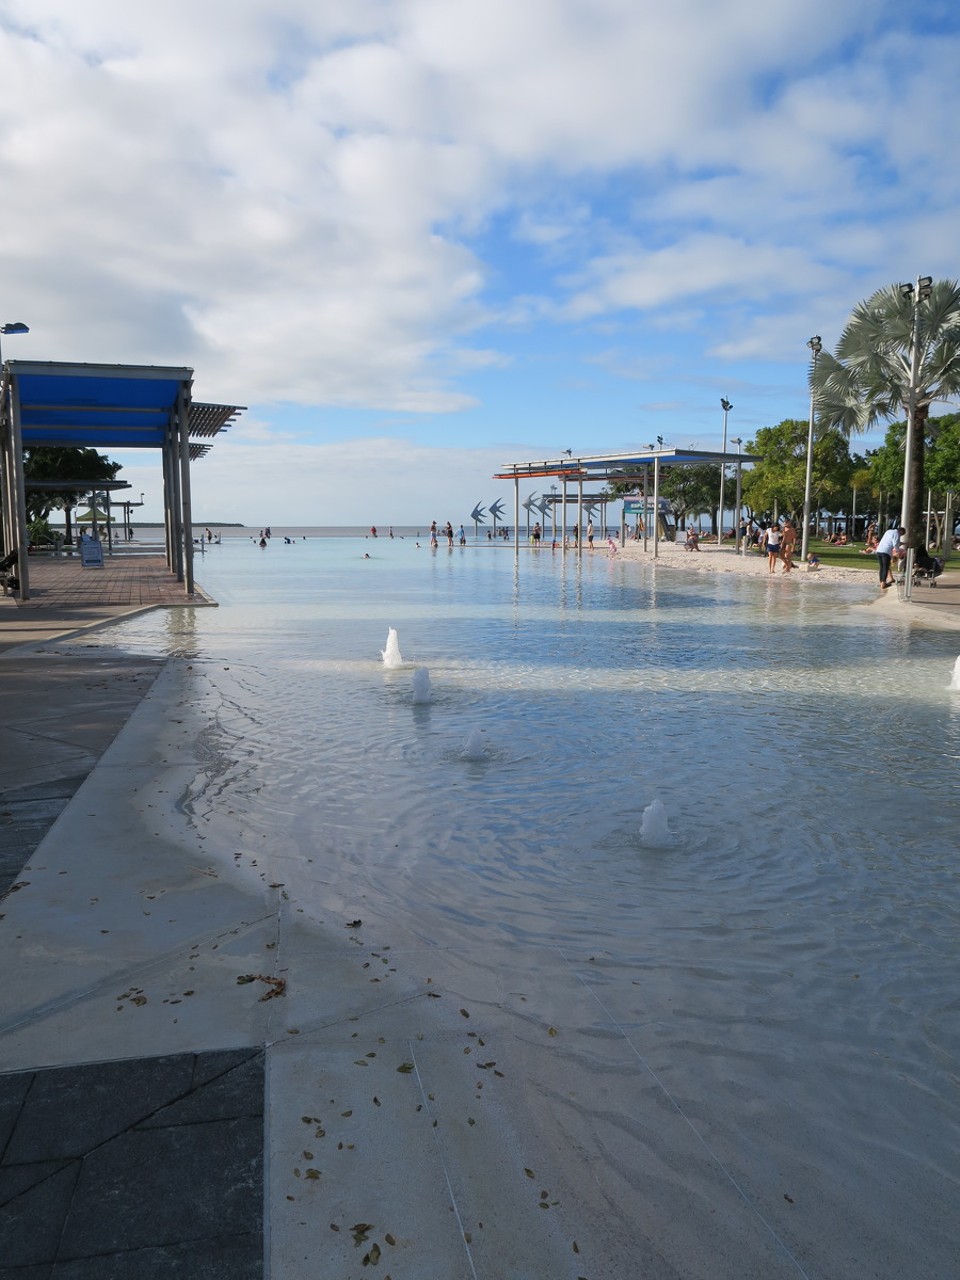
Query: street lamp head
[[815, 345], [15, 326], [725, 405]]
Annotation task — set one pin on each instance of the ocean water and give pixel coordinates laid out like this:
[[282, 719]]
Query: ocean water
[[781, 959]]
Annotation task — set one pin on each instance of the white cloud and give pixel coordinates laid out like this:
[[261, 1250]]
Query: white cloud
[[375, 203], [359, 482]]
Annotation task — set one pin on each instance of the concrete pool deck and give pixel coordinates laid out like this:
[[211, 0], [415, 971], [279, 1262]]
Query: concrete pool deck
[[193, 1077]]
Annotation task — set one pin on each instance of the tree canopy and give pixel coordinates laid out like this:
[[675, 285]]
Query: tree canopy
[[691, 490], [900, 351], [778, 481], [80, 470]]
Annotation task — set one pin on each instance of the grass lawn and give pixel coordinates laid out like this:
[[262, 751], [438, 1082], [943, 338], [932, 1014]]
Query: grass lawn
[[837, 557], [843, 557]]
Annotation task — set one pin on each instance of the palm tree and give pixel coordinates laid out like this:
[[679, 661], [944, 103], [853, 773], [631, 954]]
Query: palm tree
[[899, 352]]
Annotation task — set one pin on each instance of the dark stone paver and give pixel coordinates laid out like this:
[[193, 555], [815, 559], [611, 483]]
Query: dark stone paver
[[144, 1168], [130, 1194], [224, 1258], [69, 1112]]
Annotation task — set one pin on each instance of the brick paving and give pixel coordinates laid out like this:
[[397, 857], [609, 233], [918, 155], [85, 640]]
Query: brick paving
[[65, 597], [125, 579]]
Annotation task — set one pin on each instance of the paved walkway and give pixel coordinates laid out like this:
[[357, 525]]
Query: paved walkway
[[150, 1166], [938, 604], [65, 597]]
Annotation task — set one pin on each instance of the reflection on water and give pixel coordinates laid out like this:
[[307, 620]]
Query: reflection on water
[[786, 943]]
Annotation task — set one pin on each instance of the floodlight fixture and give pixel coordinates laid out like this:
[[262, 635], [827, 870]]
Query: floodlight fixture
[[14, 326]]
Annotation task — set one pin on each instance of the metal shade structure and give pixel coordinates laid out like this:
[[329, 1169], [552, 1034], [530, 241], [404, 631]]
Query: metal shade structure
[[111, 406], [631, 468]]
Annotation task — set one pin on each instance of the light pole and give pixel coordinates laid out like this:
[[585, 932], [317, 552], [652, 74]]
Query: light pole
[[738, 520], [816, 346], [917, 295], [726, 406]]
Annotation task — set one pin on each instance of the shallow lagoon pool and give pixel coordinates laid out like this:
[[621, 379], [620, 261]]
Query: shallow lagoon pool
[[782, 964]]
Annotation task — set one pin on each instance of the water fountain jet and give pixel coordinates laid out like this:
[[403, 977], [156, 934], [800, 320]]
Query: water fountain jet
[[955, 682], [473, 748], [421, 685], [654, 829], [391, 654]]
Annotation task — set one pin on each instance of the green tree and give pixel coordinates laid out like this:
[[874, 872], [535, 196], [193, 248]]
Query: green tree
[[943, 473], [80, 470], [886, 467], [778, 481], [899, 351], [692, 490], [943, 462], [941, 468]]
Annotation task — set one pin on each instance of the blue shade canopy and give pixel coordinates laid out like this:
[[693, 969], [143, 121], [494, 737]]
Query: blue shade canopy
[[104, 406], [54, 404]]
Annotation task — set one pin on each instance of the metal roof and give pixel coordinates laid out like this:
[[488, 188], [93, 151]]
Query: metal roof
[[108, 406], [612, 466]]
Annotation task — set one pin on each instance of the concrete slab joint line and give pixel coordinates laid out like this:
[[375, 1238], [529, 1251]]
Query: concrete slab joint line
[[144, 1167]]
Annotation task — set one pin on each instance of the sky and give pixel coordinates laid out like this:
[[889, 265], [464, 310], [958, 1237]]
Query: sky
[[420, 239]]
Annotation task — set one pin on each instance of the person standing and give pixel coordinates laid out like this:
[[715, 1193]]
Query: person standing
[[888, 547], [772, 540], [788, 544], [590, 534]]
